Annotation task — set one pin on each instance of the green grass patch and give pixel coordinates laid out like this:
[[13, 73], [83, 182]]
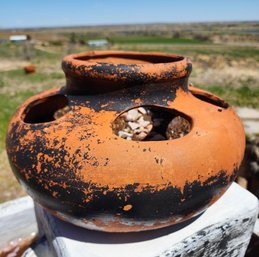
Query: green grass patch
[[20, 75], [231, 52], [196, 49], [12, 77], [41, 55], [8, 105], [244, 52], [153, 40], [241, 96], [18, 52], [9, 50], [2, 83], [145, 40], [228, 51]]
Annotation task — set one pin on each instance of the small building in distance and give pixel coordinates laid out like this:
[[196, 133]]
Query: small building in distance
[[97, 42], [19, 38]]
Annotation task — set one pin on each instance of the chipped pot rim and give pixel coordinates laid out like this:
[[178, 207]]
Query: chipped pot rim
[[119, 65]]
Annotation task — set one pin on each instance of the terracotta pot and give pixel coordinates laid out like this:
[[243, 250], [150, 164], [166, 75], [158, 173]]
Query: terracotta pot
[[79, 169]]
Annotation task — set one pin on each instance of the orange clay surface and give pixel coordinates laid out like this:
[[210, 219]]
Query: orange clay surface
[[176, 158]]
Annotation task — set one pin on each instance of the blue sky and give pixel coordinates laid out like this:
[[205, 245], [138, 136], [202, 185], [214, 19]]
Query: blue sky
[[32, 13]]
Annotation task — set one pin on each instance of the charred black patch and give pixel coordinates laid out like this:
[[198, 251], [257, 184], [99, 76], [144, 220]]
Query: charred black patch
[[122, 99], [126, 76], [147, 204]]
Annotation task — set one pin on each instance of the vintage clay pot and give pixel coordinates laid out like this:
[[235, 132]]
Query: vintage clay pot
[[79, 169], [28, 69]]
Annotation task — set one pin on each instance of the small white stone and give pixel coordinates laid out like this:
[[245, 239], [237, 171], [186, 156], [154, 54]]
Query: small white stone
[[137, 131], [149, 127], [133, 125], [144, 123], [142, 110], [146, 130], [141, 135], [141, 119], [124, 134], [132, 115]]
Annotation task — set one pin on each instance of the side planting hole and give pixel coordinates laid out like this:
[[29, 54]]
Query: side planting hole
[[209, 98], [46, 109], [151, 123]]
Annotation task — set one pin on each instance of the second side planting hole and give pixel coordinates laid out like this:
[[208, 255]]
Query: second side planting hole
[[209, 98]]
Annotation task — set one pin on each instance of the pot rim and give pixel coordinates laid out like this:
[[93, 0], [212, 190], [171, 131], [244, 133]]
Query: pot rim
[[160, 66]]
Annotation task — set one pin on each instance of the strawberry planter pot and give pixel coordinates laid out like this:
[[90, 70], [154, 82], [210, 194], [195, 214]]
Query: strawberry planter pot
[[66, 148]]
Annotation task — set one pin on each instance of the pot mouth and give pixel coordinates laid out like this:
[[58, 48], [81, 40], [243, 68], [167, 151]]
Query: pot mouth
[[88, 71], [127, 58]]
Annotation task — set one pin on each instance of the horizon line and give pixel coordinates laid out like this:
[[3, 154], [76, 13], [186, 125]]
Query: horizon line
[[126, 24]]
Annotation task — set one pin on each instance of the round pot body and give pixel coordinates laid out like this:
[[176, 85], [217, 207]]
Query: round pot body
[[78, 168]]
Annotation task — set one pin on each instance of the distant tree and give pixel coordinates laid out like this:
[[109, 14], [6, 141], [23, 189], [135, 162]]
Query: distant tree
[[72, 38], [27, 50], [72, 43], [201, 37], [176, 34]]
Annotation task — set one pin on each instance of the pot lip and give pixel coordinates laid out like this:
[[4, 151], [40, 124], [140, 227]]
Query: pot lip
[[170, 66]]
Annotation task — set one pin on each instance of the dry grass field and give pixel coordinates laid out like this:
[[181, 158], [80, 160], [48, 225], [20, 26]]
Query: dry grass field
[[225, 60]]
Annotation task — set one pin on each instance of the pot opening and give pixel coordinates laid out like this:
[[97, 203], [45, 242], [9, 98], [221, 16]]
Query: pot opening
[[47, 109], [211, 99], [130, 58], [151, 123]]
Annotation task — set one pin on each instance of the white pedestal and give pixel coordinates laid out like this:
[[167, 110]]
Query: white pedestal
[[17, 220], [224, 229]]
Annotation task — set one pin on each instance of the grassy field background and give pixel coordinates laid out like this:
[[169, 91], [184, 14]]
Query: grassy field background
[[225, 59]]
